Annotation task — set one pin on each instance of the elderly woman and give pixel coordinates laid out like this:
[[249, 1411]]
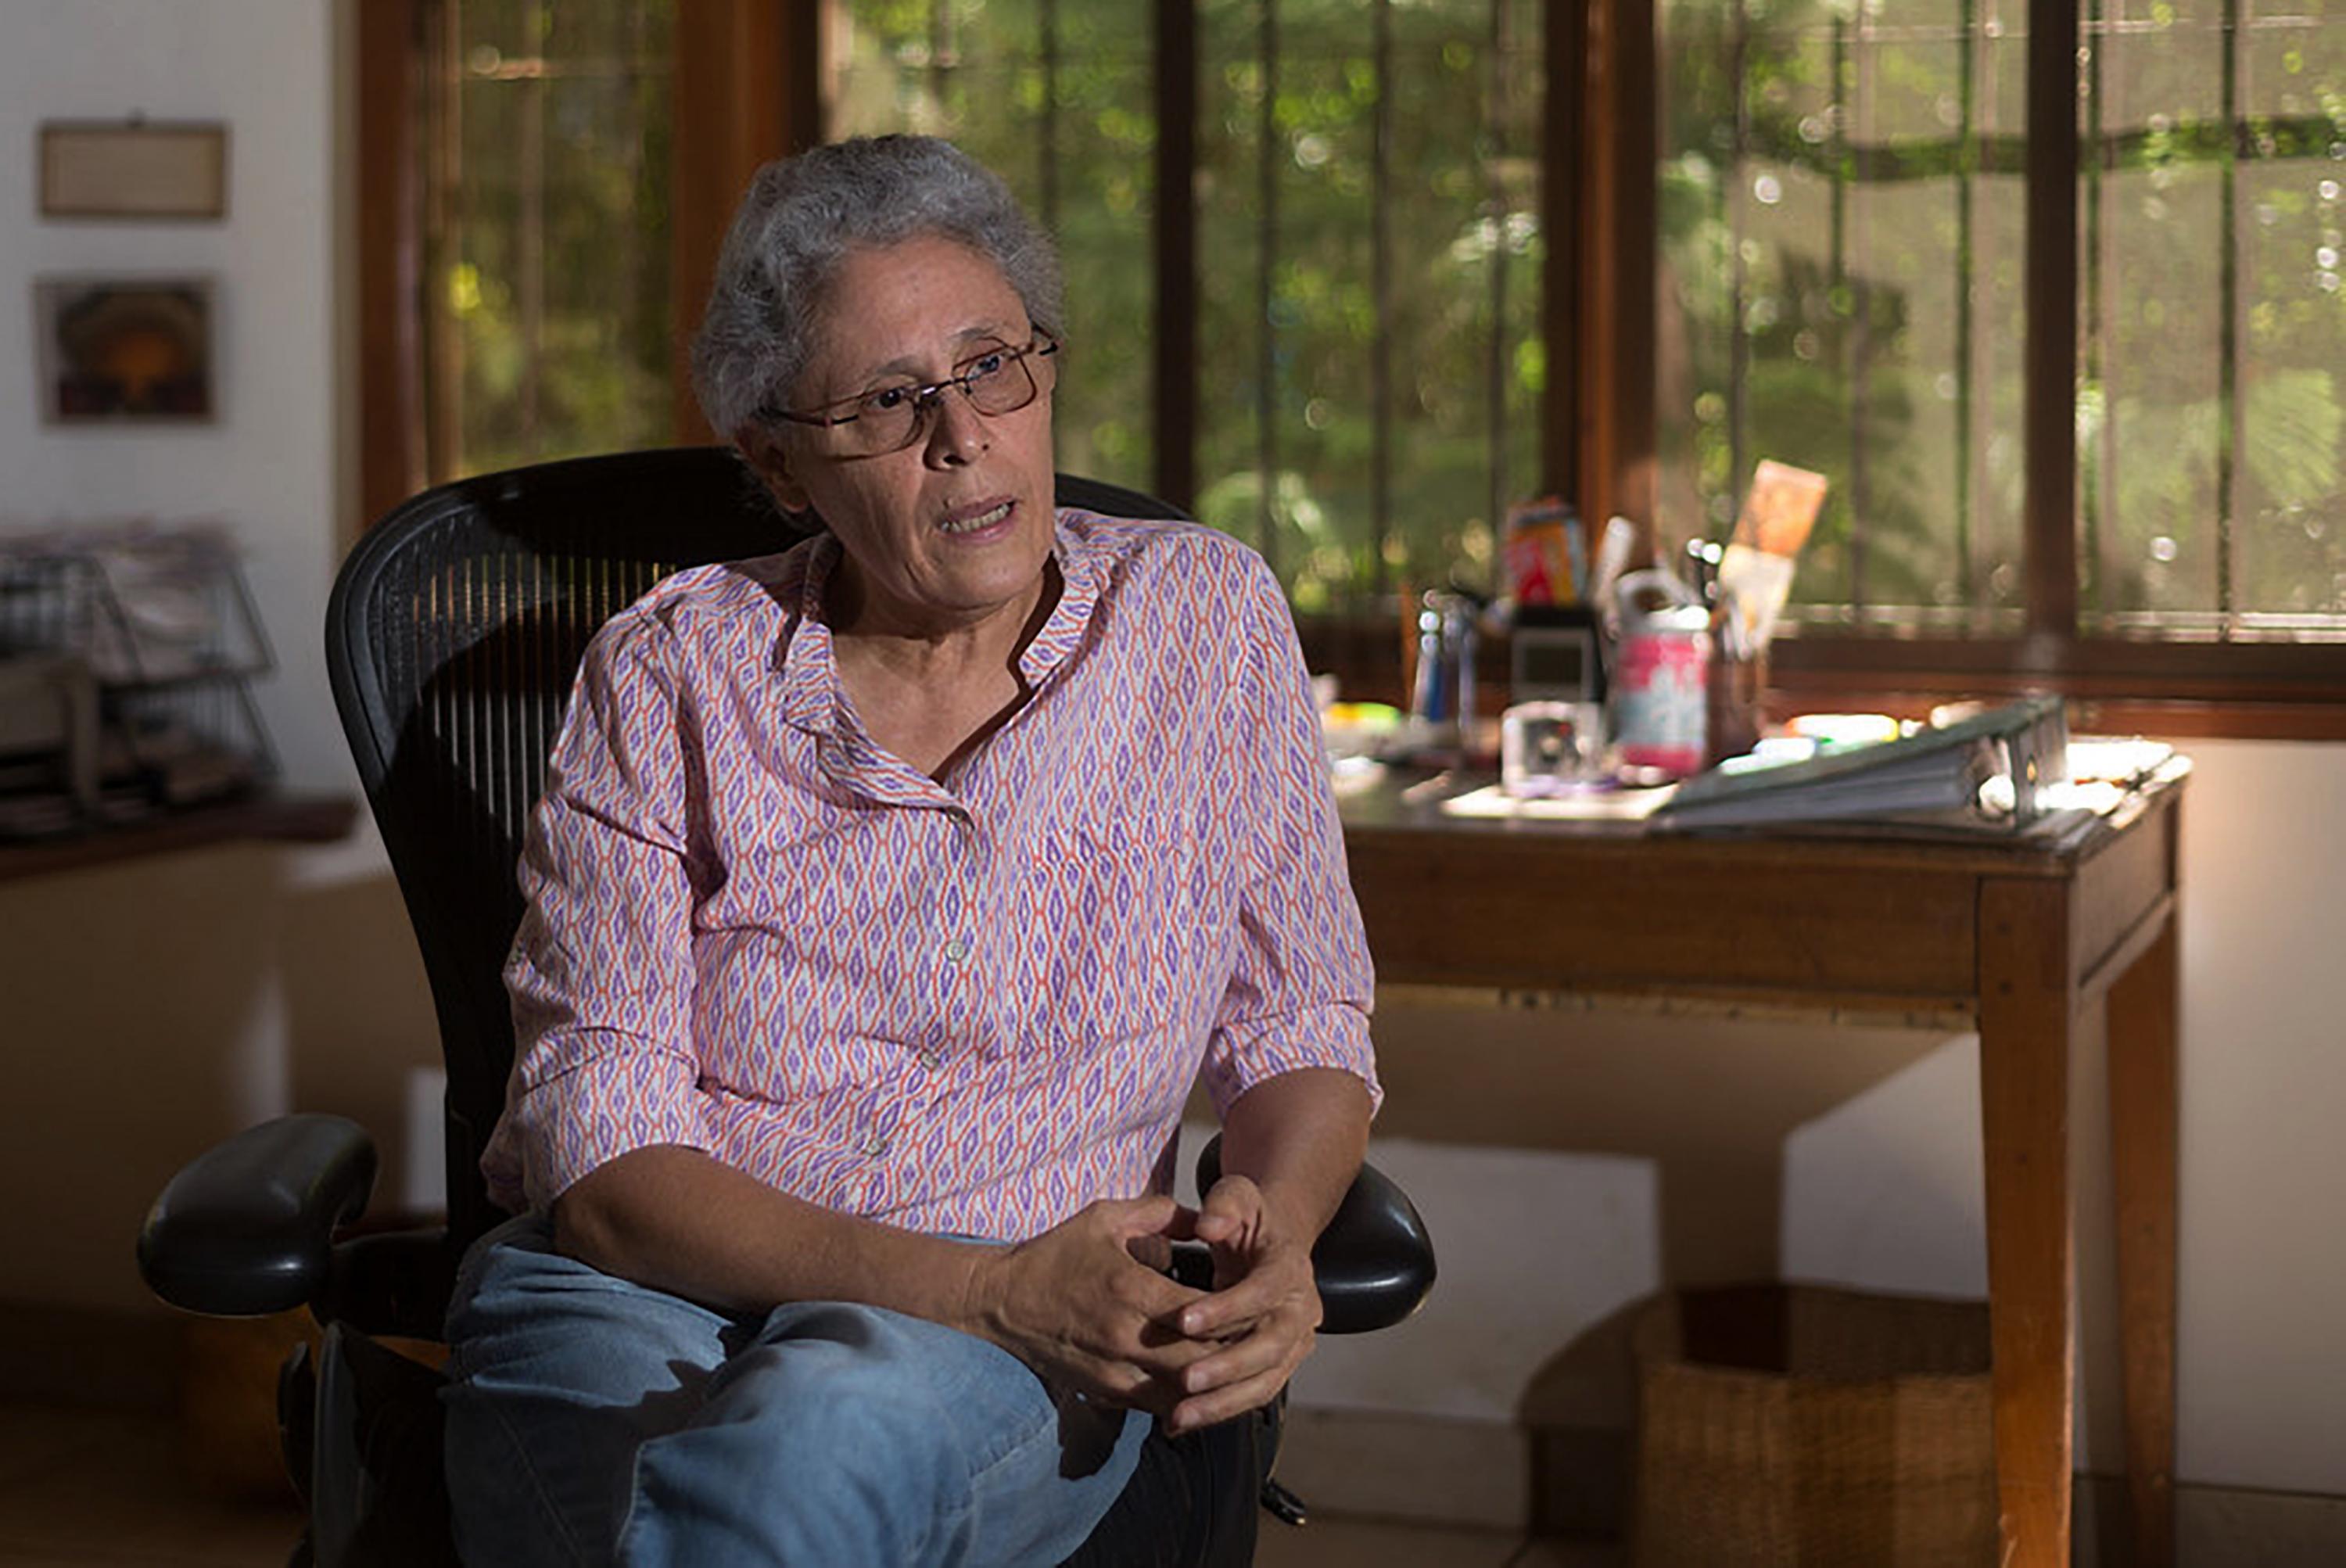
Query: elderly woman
[[887, 899]]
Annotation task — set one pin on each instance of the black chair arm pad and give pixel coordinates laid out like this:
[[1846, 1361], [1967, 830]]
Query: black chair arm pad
[[247, 1226], [1373, 1263]]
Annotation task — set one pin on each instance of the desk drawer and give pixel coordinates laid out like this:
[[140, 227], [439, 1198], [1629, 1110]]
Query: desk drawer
[[1520, 913]]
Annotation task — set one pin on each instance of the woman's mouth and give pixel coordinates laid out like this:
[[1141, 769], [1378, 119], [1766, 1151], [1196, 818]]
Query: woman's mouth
[[976, 522]]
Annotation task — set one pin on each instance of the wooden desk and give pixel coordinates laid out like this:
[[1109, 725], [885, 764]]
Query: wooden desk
[[2018, 937]]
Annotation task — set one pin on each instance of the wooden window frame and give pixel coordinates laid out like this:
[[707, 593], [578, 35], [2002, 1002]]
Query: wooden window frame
[[750, 74], [747, 89], [2245, 689]]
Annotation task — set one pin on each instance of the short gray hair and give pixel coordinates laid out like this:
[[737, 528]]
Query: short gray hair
[[802, 214]]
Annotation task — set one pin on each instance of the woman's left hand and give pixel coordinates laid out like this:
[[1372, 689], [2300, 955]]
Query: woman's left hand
[[1264, 1310]]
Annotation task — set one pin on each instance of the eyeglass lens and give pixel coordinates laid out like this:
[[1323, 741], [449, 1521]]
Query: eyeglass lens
[[997, 384]]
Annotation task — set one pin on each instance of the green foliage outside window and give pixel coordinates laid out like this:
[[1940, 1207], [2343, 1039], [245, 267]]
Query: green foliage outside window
[[1843, 245], [549, 333], [1059, 96]]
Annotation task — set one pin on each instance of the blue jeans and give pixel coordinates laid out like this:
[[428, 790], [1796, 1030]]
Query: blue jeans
[[592, 1420]]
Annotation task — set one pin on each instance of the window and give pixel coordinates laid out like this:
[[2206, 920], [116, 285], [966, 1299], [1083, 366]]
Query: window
[[1060, 100], [2073, 376], [1844, 232], [545, 147], [1364, 344]]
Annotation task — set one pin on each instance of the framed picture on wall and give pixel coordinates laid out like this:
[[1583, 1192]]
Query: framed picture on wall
[[134, 169], [120, 350]]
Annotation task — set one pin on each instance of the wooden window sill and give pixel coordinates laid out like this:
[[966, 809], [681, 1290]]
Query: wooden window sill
[[2237, 691]]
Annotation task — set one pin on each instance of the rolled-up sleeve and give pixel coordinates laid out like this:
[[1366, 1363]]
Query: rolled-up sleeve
[[600, 974], [1300, 988]]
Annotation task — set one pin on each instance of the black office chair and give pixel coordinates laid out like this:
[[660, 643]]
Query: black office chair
[[452, 634]]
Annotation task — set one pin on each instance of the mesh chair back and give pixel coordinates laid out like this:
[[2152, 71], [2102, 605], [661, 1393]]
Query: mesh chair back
[[451, 637]]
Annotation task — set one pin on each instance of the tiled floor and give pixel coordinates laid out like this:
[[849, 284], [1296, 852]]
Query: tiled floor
[[81, 1486]]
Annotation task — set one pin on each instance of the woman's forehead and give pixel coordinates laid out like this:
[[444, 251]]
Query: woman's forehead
[[910, 306]]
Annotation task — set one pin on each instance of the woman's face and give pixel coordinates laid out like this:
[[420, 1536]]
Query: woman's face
[[955, 528]]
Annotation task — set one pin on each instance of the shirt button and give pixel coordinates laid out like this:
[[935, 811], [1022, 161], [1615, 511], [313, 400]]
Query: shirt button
[[933, 1059], [876, 1144], [956, 949]]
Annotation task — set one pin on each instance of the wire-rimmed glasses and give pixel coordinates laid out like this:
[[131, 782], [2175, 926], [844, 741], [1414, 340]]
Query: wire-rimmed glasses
[[890, 418]]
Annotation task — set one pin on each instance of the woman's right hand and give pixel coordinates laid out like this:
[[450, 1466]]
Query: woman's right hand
[[1086, 1305]]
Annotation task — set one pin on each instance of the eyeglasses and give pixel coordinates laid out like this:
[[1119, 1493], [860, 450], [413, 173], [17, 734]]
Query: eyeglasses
[[890, 418]]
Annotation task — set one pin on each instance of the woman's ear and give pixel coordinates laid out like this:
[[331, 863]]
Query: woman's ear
[[768, 456]]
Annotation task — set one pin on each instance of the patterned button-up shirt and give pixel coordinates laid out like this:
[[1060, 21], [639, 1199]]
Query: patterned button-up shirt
[[968, 1006]]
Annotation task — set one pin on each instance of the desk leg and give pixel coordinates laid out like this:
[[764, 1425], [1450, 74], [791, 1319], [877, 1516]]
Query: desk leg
[[2027, 1012], [2143, 1107]]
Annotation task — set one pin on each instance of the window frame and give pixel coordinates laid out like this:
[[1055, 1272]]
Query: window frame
[[749, 77], [2223, 688], [747, 73]]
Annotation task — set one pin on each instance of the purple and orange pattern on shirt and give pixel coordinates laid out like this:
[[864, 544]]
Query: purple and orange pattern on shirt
[[969, 1007]]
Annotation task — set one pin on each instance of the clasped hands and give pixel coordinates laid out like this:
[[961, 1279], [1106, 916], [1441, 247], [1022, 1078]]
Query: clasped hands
[[1087, 1303]]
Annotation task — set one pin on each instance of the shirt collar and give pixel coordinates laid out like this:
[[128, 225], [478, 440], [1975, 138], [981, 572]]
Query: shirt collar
[[811, 662], [1083, 565]]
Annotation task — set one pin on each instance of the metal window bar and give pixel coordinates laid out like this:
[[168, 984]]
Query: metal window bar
[[632, 261], [1046, 46], [1381, 291], [1266, 240], [530, 256], [1858, 274], [2231, 439], [443, 368], [1499, 108], [1732, 195], [2099, 501], [1175, 346], [943, 55], [1966, 362]]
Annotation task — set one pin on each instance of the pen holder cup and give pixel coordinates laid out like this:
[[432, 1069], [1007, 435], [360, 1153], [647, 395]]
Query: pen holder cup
[[1659, 691], [1735, 703]]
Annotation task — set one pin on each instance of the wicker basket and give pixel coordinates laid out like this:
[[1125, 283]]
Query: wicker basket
[[1789, 1424]]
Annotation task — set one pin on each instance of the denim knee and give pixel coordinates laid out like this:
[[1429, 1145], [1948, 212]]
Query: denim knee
[[868, 1436]]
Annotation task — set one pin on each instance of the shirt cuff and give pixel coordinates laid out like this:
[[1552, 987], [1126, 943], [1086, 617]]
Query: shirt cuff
[[1244, 1055], [604, 1107]]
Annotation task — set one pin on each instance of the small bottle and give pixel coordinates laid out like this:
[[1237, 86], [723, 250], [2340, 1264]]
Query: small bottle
[[1442, 701]]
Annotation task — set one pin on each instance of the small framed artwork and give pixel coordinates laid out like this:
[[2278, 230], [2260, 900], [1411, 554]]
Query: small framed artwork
[[124, 349], [134, 169]]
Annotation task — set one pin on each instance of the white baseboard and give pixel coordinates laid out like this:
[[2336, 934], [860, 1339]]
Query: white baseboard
[[1398, 1464]]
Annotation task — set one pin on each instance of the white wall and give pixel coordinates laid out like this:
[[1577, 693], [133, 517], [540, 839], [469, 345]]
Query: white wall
[[269, 466], [170, 1001], [152, 1007]]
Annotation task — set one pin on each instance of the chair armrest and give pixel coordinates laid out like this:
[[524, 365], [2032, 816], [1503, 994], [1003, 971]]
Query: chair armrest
[[390, 1282], [1373, 1263], [247, 1226]]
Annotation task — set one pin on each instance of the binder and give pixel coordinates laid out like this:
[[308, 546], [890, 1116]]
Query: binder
[[1942, 774]]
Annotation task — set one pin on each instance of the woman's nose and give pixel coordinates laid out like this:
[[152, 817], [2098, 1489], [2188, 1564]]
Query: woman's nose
[[957, 431]]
